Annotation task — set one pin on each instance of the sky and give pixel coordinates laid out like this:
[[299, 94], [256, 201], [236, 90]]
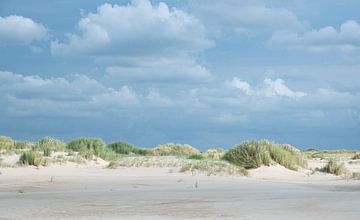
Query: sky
[[208, 73]]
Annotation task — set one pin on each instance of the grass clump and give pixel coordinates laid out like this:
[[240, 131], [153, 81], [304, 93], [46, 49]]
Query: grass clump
[[196, 157], [6, 143], [90, 147], [121, 147], [355, 176], [253, 154], [356, 156], [334, 168], [215, 154], [171, 149], [30, 158], [213, 167], [48, 145]]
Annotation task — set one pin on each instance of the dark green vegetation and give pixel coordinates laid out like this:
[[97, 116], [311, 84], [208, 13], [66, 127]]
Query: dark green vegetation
[[253, 154], [122, 147]]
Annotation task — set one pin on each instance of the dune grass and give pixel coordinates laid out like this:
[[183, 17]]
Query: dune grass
[[48, 145], [196, 157], [208, 167], [253, 154], [356, 156], [355, 175], [171, 149], [31, 158], [121, 147], [334, 168], [215, 154], [90, 147]]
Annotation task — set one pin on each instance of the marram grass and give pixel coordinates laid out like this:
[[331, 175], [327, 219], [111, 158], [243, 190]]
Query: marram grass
[[334, 168], [253, 154]]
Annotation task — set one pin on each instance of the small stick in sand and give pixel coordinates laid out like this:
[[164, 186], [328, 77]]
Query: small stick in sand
[[52, 179], [196, 184]]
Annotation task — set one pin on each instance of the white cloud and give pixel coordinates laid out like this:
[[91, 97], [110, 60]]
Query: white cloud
[[136, 28], [269, 88], [277, 87], [20, 30], [156, 99], [246, 16], [242, 85], [140, 41], [60, 96], [327, 39]]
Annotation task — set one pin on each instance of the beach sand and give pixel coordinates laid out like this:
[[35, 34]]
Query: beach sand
[[93, 192]]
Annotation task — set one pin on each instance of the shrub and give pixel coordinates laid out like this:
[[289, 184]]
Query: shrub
[[6, 143], [121, 147], [174, 150], [334, 168], [250, 154], [253, 154], [90, 147], [196, 157], [355, 176], [47, 152], [30, 158], [49, 144], [356, 156], [215, 154]]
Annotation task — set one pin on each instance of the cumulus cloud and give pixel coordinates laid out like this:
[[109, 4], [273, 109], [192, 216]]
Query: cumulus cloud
[[246, 16], [277, 87], [139, 39], [136, 28], [240, 84], [60, 96], [326, 39], [19, 30], [269, 88]]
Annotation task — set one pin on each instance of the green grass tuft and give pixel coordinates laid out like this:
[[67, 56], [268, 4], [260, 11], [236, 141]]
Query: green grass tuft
[[253, 154], [196, 157], [30, 158], [90, 147], [121, 147], [356, 156], [334, 168], [170, 149]]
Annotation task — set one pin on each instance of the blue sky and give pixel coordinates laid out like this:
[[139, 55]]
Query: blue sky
[[208, 73]]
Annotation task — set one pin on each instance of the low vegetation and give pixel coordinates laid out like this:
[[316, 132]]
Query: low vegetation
[[31, 158], [334, 168], [208, 167], [90, 147], [216, 154], [253, 154], [171, 149], [121, 147], [356, 156]]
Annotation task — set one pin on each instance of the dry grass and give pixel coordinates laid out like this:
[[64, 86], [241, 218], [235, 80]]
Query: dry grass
[[171, 149], [334, 168], [215, 154], [208, 167]]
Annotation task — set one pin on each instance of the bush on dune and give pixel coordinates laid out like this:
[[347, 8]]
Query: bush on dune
[[49, 144], [356, 156], [30, 158], [334, 168], [215, 154], [253, 154], [171, 149], [121, 147], [89, 147], [7, 143]]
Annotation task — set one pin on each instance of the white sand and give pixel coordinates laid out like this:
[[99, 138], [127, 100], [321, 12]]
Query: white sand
[[92, 192]]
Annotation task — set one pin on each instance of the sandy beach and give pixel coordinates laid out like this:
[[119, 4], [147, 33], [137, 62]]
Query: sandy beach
[[74, 191]]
